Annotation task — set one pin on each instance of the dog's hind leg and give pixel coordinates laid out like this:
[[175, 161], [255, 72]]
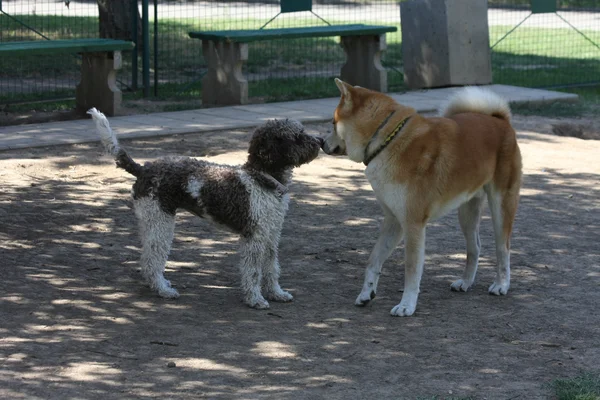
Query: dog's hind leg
[[271, 273], [252, 257], [389, 237], [503, 206], [469, 216], [156, 230]]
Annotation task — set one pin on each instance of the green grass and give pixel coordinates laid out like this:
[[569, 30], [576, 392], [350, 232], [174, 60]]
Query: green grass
[[583, 387], [530, 57], [538, 57]]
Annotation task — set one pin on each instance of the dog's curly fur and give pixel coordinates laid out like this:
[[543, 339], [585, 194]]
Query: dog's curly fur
[[250, 199]]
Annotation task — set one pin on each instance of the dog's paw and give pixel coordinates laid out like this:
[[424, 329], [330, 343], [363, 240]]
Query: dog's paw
[[404, 309], [498, 289], [258, 303], [460, 285], [280, 296], [168, 292], [364, 298]]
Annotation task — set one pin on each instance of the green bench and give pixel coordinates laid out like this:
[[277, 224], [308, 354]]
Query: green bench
[[226, 51], [100, 60]]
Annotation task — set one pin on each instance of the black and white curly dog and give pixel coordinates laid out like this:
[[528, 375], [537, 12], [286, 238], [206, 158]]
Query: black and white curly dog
[[250, 199]]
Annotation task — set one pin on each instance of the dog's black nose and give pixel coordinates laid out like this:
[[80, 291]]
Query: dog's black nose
[[320, 140]]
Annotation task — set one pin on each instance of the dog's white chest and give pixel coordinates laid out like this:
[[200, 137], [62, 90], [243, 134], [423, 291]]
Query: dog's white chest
[[392, 195], [266, 206]]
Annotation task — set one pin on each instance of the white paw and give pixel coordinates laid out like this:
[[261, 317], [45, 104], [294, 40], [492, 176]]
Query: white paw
[[364, 298], [258, 303], [404, 309], [281, 296], [498, 289], [168, 292], [150, 283], [460, 285]]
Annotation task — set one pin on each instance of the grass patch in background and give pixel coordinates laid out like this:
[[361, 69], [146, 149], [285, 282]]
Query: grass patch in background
[[284, 70], [583, 387]]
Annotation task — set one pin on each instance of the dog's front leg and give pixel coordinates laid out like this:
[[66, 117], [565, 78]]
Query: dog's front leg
[[389, 236], [252, 257], [414, 255], [272, 270]]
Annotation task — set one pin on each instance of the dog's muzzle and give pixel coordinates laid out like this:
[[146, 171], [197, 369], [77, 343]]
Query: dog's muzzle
[[333, 151]]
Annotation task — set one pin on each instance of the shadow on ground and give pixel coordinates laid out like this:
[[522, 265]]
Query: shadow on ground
[[78, 323]]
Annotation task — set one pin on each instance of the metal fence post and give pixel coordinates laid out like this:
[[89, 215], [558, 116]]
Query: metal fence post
[[146, 53], [155, 47], [134, 39]]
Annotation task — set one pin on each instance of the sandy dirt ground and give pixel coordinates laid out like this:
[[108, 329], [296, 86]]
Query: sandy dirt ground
[[77, 323]]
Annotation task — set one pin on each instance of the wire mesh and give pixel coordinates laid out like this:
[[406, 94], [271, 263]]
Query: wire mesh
[[554, 49], [545, 50], [278, 69], [26, 78]]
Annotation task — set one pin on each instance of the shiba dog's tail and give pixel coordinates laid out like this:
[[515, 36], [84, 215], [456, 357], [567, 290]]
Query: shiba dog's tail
[[111, 144], [477, 100]]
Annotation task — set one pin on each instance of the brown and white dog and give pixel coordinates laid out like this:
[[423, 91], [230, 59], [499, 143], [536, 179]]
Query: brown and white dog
[[421, 168]]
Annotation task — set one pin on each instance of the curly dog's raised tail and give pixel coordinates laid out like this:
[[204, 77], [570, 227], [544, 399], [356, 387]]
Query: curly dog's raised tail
[[111, 144]]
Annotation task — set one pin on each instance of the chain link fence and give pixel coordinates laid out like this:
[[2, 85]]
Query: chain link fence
[[535, 50], [545, 44], [278, 69], [34, 78]]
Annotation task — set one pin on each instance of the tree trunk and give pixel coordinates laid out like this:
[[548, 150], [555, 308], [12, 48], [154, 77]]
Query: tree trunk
[[116, 20]]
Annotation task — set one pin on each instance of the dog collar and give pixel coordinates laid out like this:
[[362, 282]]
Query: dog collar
[[388, 139]]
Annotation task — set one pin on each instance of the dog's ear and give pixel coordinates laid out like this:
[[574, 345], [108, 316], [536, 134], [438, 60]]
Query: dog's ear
[[345, 88]]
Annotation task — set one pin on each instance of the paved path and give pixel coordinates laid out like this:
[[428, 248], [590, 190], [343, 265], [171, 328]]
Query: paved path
[[383, 12], [210, 119]]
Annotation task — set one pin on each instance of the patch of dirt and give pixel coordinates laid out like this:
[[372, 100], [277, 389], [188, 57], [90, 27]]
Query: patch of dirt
[[78, 323], [42, 114], [8, 117], [587, 128]]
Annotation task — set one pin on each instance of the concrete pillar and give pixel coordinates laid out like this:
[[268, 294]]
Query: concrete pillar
[[98, 86], [363, 61], [224, 83], [445, 43]]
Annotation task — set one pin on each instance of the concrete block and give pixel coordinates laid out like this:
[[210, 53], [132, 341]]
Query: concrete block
[[445, 43], [224, 83], [363, 61]]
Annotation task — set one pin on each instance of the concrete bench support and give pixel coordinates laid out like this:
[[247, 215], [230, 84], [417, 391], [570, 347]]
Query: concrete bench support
[[100, 60], [224, 82], [226, 51], [363, 61], [98, 87], [445, 43]]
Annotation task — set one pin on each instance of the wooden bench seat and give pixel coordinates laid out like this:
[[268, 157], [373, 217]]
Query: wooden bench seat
[[226, 51], [100, 60]]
